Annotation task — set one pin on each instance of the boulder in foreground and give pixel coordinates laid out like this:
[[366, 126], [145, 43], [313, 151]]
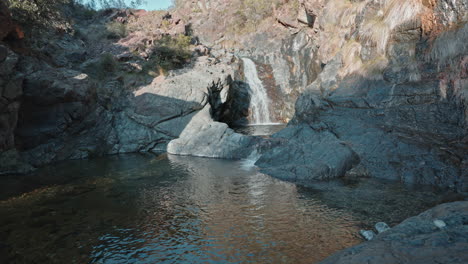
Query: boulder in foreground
[[416, 240]]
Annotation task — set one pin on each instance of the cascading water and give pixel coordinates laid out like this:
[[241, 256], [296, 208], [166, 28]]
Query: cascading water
[[259, 99]]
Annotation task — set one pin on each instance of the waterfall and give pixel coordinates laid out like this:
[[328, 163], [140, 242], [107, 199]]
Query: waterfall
[[259, 100]]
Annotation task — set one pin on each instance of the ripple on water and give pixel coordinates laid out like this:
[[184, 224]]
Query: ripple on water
[[142, 209]]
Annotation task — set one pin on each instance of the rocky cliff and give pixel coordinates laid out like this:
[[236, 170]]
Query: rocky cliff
[[387, 79], [393, 87], [371, 88], [111, 82]]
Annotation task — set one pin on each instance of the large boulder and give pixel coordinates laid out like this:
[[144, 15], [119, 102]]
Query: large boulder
[[203, 137], [439, 235], [307, 154]]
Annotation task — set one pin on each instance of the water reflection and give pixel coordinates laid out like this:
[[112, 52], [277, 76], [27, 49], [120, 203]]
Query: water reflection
[[260, 130], [142, 209]]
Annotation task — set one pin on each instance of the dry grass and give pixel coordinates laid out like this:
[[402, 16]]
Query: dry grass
[[350, 57], [152, 20], [392, 14], [397, 12], [376, 32], [342, 13], [338, 20]]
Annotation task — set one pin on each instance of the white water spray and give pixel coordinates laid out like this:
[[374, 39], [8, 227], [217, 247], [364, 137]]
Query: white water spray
[[259, 101], [249, 162]]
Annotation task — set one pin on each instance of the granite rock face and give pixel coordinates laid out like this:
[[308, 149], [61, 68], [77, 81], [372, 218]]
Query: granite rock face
[[416, 240]]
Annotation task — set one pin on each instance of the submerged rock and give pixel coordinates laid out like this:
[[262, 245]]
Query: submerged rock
[[367, 234], [381, 227], [440, 224]]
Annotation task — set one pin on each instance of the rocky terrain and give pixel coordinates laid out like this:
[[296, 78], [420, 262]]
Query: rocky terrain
[[381, 84], [438, 235], [368, 89], [95, 97]]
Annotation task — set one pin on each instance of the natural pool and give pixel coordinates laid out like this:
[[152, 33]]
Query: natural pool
[[169, 209]]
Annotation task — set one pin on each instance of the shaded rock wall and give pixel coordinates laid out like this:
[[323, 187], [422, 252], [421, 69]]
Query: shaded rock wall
[[112, 120], [58, 112]]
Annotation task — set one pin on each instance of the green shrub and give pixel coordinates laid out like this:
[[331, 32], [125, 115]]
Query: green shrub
[[42, 12], [169, 53], [116, 30], [105, 66], [107, 63]]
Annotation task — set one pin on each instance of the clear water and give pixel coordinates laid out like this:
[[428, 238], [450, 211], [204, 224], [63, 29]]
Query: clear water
[[169, 209]]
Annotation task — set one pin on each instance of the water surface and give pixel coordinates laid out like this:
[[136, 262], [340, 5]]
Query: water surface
[[260, 130], [169, 209]]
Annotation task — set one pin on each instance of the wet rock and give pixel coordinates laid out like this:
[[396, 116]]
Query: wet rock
[[367, 234], [439, 223], [357, 171], [416, 240], [381, 227]]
